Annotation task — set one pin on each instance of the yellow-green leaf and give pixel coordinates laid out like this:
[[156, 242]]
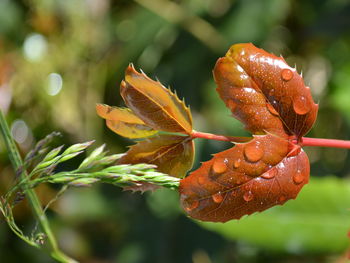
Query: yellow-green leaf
[[124, 122], [156, 105], [172, 154]]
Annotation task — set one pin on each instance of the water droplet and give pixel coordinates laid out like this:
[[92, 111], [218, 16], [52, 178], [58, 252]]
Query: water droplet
[[236, 163], [217, 198], [287, 74], [189, 206], [301, 105], [248, 196], [219, 166], [270, 173], [201, 180], [253, 152], [298, 177], [271, 109], [282, 198]]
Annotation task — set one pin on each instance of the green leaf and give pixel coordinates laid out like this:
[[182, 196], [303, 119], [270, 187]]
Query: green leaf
[[318, 221]]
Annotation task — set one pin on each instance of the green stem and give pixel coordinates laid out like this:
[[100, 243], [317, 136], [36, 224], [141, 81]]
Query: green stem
[[33, 199]]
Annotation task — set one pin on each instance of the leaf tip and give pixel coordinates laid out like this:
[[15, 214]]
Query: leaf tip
[[101, 110], [130, 70]]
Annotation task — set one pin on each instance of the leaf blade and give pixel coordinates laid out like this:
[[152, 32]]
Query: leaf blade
[[281, 85], [172, 154], [124, 122], [243, 97], [157, 106], [247, 178]]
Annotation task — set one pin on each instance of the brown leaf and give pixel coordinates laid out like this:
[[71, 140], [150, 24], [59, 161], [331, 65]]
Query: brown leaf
[[157, 106], [124, 122], [172, 154], [264, 92], [247, 178]]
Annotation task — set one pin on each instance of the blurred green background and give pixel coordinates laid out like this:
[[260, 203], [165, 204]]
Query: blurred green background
[[58, 58]]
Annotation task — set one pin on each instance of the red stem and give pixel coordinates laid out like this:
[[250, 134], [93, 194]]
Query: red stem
[[325, 143], [210, 136], [305, 141]]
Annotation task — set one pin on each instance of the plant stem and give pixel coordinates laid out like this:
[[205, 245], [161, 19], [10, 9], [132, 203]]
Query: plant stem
[[325, 143], [33, 199], [210, 136], [306, 141]]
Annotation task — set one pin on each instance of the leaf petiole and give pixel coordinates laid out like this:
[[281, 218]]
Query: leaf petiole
[[306, 141]]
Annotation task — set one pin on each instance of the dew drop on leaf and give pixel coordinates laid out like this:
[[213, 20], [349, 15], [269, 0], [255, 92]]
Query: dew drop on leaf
[[191, 205], [300, 105], [217, 198], [236, 163], [248, 196], [201, 180], [287, 74], [253, 152], [270, 173], [219, 166], [282, 198], [298, 177]]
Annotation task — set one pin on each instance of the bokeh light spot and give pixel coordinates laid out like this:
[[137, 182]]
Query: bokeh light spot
[[55, 83], [19, 131], [35, 47]]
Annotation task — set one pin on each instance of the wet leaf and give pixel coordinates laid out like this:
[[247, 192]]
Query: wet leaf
[[247, 178], [124, 122], [157, 106], [264, 92], [270, 98], [172, 154]]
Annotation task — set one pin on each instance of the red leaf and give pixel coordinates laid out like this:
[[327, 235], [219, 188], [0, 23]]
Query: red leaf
[[247, 178], [270, 98], [264, 92]]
